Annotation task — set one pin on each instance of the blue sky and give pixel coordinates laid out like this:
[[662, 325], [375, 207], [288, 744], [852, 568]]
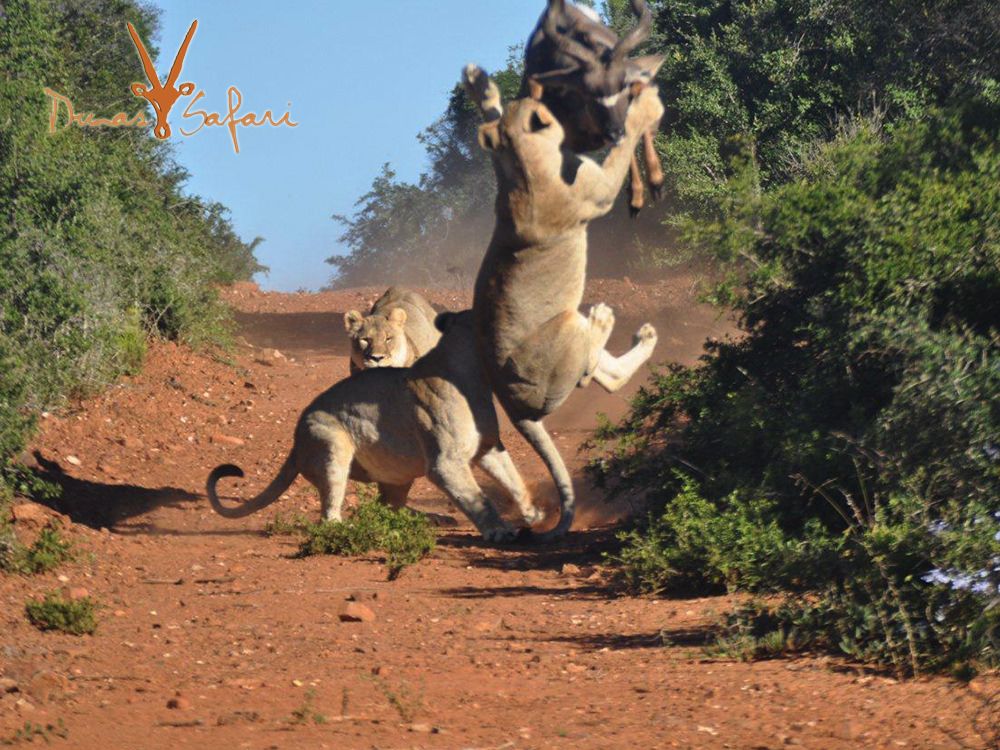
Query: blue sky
[[363, 79]]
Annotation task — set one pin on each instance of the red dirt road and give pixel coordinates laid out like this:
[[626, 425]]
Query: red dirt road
[[474, 647]]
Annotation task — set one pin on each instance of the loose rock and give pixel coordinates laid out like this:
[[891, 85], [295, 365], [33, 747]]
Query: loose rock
[[356, 612], [220, 439]]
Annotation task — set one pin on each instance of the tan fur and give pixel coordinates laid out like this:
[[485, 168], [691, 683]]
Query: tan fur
[[397, 331], [535, 344], [392, 425]]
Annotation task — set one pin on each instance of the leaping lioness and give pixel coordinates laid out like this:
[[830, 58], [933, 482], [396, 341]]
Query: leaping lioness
[[535, 344]]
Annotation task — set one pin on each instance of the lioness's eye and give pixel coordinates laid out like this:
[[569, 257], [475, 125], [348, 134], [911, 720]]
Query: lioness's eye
[[388, 339]]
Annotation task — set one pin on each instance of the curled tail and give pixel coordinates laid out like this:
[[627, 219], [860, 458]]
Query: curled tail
[[536, 434], [286, 475]]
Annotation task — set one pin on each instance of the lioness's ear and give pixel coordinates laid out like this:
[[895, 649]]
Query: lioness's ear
[[352, 321], [489, 135], [444, 320], [398, 316], [643, 69]]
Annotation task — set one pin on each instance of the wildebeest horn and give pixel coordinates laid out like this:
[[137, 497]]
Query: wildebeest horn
[[564, 41], [637, 35]]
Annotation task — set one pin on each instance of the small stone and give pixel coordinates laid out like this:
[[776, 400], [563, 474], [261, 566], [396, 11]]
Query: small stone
[[423, 728], [575, 668], [73, 460], [46, 685], [178, 703], [120, 613], [849, 730], [130, 442], [569, 569], [30, 514], [708, 730], [356, 612], [76, 593], [7, 685], [220, 439]]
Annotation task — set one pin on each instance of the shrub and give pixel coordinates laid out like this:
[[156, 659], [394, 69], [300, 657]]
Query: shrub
[[99, 246], [403, 535], [845, 447], [55, 612]]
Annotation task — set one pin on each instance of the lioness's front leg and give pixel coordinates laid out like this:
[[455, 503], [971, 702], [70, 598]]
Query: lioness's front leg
[[597, 185], [497, 463], [455, 478], [482, 92]]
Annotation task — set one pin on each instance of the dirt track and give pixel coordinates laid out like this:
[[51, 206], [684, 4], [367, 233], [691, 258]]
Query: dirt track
[[474, 647]]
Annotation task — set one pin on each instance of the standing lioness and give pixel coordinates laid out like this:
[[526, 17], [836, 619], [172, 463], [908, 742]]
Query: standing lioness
[[398, 330], [391, 425], [536, 346]]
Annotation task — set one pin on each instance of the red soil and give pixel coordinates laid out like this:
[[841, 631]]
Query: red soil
[[212, 635]]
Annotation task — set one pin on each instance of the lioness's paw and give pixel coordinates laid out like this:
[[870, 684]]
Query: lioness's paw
[[500, 534], [645, 335], [645, 111], [533, 515], [601, 318]]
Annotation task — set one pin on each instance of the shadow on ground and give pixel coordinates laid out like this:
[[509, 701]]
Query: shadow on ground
[[97, 504]]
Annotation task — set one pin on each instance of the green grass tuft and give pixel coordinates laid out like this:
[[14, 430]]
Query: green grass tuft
[[404, 536], [56, 612]]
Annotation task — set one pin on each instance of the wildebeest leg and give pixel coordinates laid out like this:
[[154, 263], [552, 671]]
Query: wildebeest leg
[[636, 191], [654, 170], [614, 372], [497, 463]]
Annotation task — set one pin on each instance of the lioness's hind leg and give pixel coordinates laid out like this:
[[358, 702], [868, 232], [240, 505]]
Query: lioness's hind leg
[[455, 478], [600, 323], [332, 486], [498, 464], [394, 495], [614, 372], [329, 474]]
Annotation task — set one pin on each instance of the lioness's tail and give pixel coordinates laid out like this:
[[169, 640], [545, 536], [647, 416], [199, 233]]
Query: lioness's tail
[[286, 475], [536, 434]]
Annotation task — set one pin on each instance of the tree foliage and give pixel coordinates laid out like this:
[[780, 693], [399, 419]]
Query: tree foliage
[[99, 246]]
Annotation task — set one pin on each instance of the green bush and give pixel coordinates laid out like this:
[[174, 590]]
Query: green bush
[[99, 246], [846, 444], [404, 536], [55, 612]]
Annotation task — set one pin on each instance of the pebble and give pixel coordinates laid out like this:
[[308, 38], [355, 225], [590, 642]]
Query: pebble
[[179, 703], [77, 592], [569, 569], [73, 460], [220, 439], [31, 514], [7, 685], [356, 612], [46, 685]]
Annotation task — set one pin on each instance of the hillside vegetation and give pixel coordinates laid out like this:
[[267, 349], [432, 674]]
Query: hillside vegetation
[[99, 246]]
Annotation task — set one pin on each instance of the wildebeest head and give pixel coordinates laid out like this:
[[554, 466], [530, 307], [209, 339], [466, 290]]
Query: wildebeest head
[[587, 78]]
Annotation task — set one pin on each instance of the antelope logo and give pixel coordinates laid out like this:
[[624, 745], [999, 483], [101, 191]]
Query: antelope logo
[[162, 97]]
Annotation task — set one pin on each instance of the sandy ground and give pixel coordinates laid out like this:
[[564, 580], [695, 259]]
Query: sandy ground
[[212, 635]]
